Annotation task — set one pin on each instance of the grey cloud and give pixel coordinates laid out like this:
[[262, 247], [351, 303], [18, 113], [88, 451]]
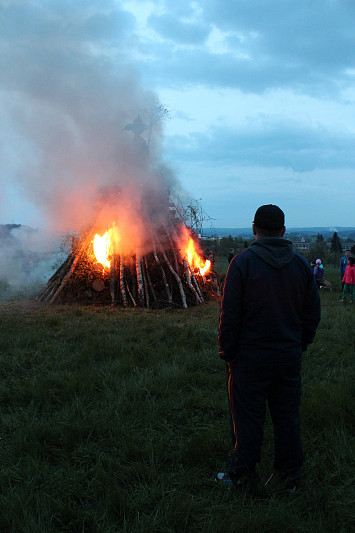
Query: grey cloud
[[306, 45], [184, 9], [172, 28], [114, 25], [19, 22], [199, 66], [22, 21], [307, 33], [276, 145]]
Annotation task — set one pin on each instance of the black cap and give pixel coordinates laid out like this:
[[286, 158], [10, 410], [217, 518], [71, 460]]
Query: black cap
[[269, 217]]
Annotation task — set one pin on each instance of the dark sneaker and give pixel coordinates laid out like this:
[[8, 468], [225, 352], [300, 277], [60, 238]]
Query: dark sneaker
[[290, 478], [246, 483], [281, 483], [249, 484], [223, 479]]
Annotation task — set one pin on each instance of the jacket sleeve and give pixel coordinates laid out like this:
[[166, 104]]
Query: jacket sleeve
[[311, 313], [230, 316]]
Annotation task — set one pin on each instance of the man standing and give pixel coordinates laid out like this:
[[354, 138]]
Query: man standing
[[342, 266], [230, 255], [270, 311]]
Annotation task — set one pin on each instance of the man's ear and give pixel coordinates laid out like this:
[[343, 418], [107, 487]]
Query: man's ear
[[254, 230], [283, 231]]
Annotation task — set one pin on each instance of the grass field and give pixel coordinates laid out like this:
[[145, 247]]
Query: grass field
[[117, 421]]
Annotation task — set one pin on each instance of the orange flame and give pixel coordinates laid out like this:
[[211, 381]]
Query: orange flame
[[104, 246], [193, 255]]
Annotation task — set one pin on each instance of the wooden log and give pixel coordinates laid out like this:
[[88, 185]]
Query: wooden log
[[150, 285], [188, 270], [140, 284], [196, 284], [172, 242], [48, 295], [122, 282], [63, 268], [65, 279], [72, 268], [193, 277], [176, 276], [112, 280], [145, 283], [132, 278], [42, 296], [52, 283], [188, 280], [156, 257], [130, 295]]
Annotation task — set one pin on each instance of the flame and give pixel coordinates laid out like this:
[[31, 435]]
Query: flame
[[193, 254], [104, 246]]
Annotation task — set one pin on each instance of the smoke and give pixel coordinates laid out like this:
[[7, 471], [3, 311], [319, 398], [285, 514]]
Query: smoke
[[27, 258], [68, 92], [69, 105]]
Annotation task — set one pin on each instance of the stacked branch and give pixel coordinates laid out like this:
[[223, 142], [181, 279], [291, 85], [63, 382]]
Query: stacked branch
[[159, 278]]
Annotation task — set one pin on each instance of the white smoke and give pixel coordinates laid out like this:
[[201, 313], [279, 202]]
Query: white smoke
[[67, 94], [27, 258]]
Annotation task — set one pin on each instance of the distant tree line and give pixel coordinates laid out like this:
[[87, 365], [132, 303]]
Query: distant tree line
[[225, 244], [317, 249]]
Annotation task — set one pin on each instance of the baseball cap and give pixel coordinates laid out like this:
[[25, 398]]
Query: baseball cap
[[269, 217]]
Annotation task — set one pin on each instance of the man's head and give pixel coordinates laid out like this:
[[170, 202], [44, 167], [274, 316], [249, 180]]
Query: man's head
[[269, 221], [347, 253]]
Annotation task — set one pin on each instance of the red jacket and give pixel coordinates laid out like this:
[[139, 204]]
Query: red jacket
[[349, 275]]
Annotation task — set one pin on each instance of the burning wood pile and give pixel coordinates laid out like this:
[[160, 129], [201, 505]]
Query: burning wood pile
[[113, 267]]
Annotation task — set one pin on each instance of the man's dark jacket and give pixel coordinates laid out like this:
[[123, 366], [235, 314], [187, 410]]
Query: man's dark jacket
[[270, 301]]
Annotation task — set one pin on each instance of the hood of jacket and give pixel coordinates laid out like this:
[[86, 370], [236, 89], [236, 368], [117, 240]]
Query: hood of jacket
[[275, 251]]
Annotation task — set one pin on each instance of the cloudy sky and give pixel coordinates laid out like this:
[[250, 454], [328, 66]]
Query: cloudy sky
[[260, 93]]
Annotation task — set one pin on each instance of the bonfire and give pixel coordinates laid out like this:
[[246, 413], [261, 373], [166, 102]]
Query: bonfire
[[139, 251], [129, 261]]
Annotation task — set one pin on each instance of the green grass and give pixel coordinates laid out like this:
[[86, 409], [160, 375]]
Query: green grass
[[117, 421]]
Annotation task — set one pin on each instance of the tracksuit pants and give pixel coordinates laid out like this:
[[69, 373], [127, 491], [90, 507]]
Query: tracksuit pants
[[253, 380], [348, 288]]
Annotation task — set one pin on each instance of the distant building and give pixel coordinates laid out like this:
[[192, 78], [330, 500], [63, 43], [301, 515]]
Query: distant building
[[344, 246], [300, 245], [347, 246]]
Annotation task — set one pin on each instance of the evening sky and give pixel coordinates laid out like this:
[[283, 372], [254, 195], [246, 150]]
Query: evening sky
[[260, 97]]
